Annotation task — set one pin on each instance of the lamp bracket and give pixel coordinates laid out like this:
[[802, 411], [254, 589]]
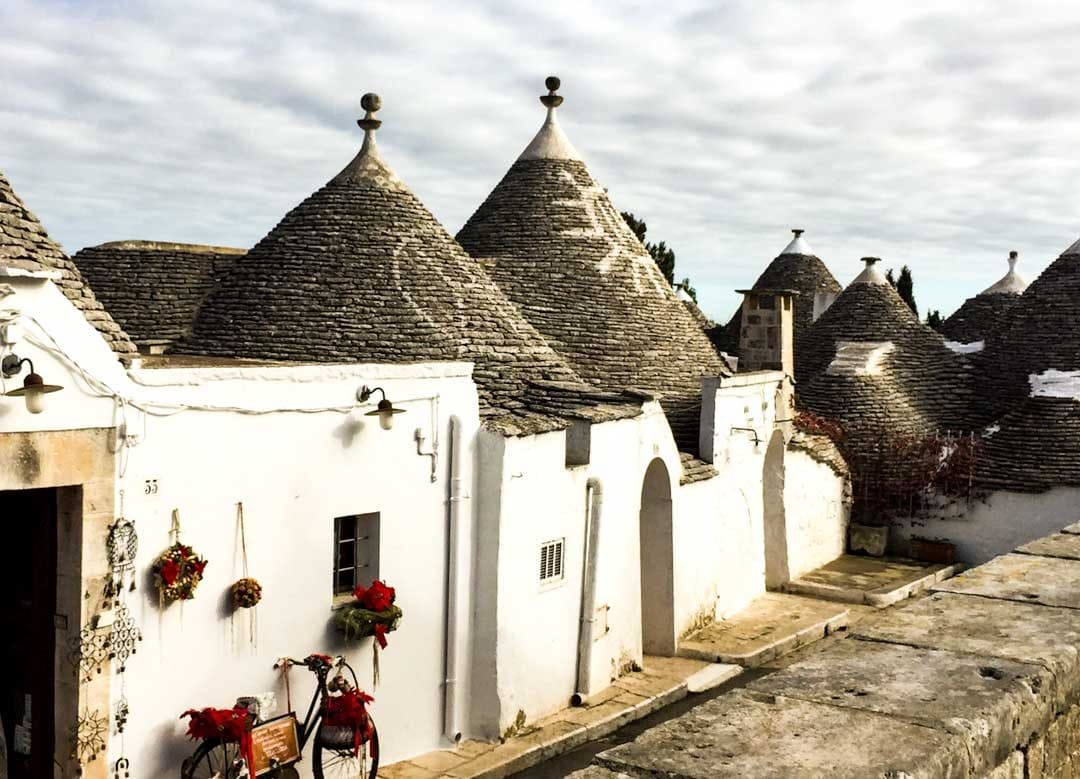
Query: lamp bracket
[[12, 365]]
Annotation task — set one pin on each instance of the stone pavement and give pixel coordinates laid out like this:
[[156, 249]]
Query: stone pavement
[[876, 581], [663, 681], [979, 679], [772, 625]]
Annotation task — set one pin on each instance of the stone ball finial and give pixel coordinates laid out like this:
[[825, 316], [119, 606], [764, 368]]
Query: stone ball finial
[[551, 100], [370, 103]]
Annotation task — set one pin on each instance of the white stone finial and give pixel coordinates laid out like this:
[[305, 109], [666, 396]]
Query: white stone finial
[[871, 274], [551, 142], [798, 245], [1010, 283]]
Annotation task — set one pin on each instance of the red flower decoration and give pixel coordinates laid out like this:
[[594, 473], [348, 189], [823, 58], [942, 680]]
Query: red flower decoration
[[359, 592], [199, 566], [170, 570], [230, 725], [349, 710], [380, 634], [379, 597]]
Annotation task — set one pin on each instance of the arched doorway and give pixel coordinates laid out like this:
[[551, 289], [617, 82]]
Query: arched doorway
[[657, 562], [777, 570]]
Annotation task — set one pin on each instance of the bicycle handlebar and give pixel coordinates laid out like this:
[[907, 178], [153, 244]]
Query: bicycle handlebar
[[335, 661]]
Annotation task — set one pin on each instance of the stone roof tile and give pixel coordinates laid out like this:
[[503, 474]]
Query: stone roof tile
[[154, 289], [361, 271], [26, 246], [919, 385], [551, 239]]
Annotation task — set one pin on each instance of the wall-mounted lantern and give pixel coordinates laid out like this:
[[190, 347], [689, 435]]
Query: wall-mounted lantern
[[34, 388], [385, 411]]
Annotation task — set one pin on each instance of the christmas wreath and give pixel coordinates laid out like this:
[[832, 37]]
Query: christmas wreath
[[177, 572], [348, 712], [229, 726], [371, 613]]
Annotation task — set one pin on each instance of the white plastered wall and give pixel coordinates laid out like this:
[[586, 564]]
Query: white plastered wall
[[997, 524], [816, 512], [294, 472], [530, 496]]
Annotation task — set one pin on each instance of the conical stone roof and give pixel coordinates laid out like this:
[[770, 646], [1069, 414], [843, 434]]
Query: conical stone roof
[[873, 366], [153, 288], [797, 268], [1029, 386], [981, 316], [551, 239], [361, 271], [25, 246]]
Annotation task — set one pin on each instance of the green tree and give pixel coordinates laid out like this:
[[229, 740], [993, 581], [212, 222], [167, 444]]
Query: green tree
[[661, 254], [933, 319], [904, 286]]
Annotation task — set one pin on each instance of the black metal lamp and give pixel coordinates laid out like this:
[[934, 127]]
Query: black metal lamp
[[34, 388], [385, 410]]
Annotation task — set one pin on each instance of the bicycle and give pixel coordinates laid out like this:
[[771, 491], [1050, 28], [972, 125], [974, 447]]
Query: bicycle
[[335, 753]]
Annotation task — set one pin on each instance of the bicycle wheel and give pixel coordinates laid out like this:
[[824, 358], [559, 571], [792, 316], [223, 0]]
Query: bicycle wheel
[[214, 760], [333, 758]]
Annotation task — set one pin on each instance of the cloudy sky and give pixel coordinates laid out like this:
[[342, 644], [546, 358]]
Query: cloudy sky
[[937, 134]]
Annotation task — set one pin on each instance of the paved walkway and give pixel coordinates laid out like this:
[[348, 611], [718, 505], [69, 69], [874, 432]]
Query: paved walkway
[[663, 681], [875, 581], [773, 625], [979, 678]]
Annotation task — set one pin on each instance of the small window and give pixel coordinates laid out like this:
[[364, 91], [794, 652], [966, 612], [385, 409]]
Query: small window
[[767, 302], [356, 551], [551, 561]]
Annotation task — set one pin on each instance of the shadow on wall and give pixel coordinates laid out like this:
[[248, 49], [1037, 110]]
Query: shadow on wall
[[777, 567], [657, 562]]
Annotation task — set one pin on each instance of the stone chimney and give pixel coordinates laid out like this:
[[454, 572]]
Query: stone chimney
[[767, 335]]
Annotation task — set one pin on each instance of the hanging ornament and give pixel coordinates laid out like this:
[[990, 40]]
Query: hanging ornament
[[90, 734], [178, 570], [246, 592], [121, 547], [121, 712], [89, 652], [123, 637]]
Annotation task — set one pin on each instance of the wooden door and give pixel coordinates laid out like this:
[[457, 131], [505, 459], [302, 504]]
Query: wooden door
[[27, 630]]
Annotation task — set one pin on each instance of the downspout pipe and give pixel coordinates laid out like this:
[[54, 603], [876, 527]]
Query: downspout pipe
[[594, 492], [457, 497]]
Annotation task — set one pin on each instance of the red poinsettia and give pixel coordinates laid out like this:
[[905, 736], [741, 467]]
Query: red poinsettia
[[170, 570], [231, 726], [349, 710], [377, 597]]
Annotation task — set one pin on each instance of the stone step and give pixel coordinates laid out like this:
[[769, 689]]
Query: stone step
[[771, 626], [874, 581]]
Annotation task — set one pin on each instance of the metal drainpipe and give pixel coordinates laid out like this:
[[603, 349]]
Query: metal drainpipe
[[595, 502], [457, 497]]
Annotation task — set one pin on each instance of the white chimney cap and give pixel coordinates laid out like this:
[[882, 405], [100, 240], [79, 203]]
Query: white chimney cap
[[798, 245]]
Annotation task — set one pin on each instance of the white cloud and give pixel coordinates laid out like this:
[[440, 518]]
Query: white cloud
[[937, 134]]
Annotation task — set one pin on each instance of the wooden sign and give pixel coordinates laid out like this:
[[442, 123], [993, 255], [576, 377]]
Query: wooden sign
[[275, 743]]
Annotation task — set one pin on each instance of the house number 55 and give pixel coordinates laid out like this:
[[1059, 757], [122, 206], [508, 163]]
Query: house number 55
[[151, 487]]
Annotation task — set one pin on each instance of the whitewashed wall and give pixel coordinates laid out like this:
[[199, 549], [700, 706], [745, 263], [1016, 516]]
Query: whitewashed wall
[[294, 472], [529, 496], [815, 511], [539, 499], [997, 524]]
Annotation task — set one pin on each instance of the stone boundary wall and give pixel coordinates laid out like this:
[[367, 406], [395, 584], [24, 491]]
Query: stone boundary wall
[[979, 679]]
